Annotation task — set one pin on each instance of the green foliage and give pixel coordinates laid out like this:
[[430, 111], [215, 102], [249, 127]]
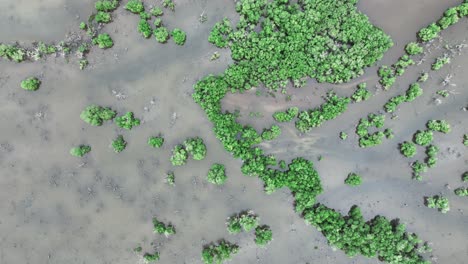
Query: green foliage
[[104, 41], [83, 26], [151, 257], [461, 191], [282, 48], [353, 179], [217, 174], [156, 142], [431, 152], [287, 115], [163, 229], [96, 115], [119, 144], [362, 130], [157, 22], [127, 121], [80, 151], [424, 76], [388, 133], [412, 93], [179, 155], [83, 63], [413, 48], [102, 17], [30, 84], [443, 93], [418, 168], [170, 178], [333, 107], [263, 235], [430, 32], [218, 253], [145, 16], [423, 138], [408, 149], [441, 203], [440, 62], [135, 6], [404, 62], [145, 28], [196, 148], [46, 49], [465, 140], [361, 93], [343, 135], [245, 220], [161, 34], [11, 52], [450, 18], [378, 237], [106, 5], [272, 133], [387, 76], [156, 11], [169, 4], [392, 104], [179, 36], [439, 126]]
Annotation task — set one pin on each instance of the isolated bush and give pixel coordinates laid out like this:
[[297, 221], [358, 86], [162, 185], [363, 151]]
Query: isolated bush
[[272, 133], [156, 142], [430, 32], [361, 93], [135, 6], [119, 144], [287, 115], [245, 220], [217, 174], [387, 76], [218, 253], [461, 191], [96, 115], [263, 235], [102, 17], [80, 151], [418, 168], [353, 179], [156, 11], [440, 62], [362, 130], [408, 149], [343, 135], [179, 36], [170, 178], [179, 155], [196, 148], [423, 138], [104, 41], [163, 229], [441, 203], [439, 126], [161, 34], [13, 53], [431, 152], [151, 257], [144, 28], [127, 121], [30, 84], [106, 5], [169, 4], [465, 176]]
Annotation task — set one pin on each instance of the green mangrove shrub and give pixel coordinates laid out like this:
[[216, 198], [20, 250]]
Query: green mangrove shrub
[[102, 17], [353, 179], [408, 149], [362, 130], [413, 48], [163, 229], [156, 142], [246, 220], [423, 138], [465, 176], [438, 126], [179, 36], [31, 84], [95, 115], [218, 253], [343, 135], [195, 147], [151, 257], [12, 52], [440, 62], [106, 5], [170, 178], [145, 28], [286, 116], [361, 93], [217, 174], [179, 155], [263, 235], [161, 34], [169, 4], [272, 133], [80, 151], [135, 6], [127, 121], [438, 202], [119, 144], [104, 41], [461, 191]]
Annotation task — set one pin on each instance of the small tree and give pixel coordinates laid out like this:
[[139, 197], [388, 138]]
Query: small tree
[[96, 115], [263, 235], [179, 36], [80, 151], [119, 144], [156, 142], [217, 174], [353, 179], [408, 149], [30, 84], [179, 156]]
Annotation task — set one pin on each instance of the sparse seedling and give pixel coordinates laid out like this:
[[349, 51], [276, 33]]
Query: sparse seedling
[[343, 135], [169, 4], [170, 178]]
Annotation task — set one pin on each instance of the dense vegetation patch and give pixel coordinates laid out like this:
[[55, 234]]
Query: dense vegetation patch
[[439, 126], [179, 36], [461, 191], [104, 41], [95, 115], [30, 84], [353, 179], [423, 138], [286, 116], [408, 149], [80, 151], [412, 93], [263, 235], [179, 155], [439, 202], [272, 133], [12, 52], [217, 174], [151, 257], [119, 144], [361, 93], [163, 229], [196, 148], [127, 121], [245, 220], [156, 142], [218, 253], [367, 139]]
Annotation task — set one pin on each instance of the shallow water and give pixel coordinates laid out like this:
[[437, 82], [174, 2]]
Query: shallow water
[[59, 209]]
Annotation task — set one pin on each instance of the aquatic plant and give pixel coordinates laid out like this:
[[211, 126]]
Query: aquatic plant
[[217, 174], [127, 121], [104, 41], [135, 6], [263, 235], [161, 34], [287, 115], [179, 155], [439, 126], [423, 138], [353, 179], [413, 48], [195, 147], [440, 62], [119, 144], [333, 107], [30, 84], [163, 229], [439, 202], [80, 151], [144, 28], [156, 142], [361, 93], [95, 115], [179, 36], [218, 253], [408, 149]]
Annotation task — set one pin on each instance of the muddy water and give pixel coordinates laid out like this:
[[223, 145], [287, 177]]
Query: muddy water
[[59, 209]]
